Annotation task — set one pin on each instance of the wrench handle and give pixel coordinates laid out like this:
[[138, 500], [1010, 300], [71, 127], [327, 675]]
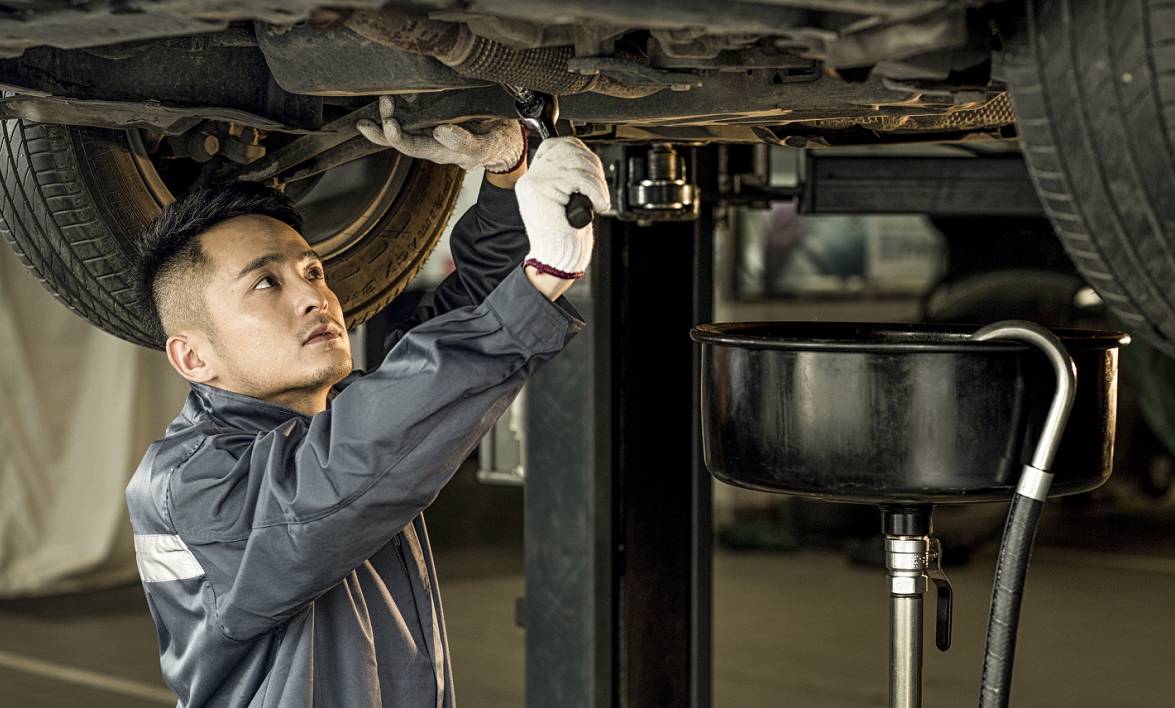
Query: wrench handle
[[579, 210]]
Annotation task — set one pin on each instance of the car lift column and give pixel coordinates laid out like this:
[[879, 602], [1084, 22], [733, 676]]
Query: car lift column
[[618, 527]]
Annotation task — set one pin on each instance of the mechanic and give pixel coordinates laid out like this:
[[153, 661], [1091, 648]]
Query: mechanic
[[277, 524]]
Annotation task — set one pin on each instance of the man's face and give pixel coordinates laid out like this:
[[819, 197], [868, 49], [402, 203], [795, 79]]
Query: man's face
[[278, 330]]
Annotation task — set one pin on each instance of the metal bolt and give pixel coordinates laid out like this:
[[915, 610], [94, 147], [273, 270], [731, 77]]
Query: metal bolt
[[663, 162], [211, 144], [201, 145]]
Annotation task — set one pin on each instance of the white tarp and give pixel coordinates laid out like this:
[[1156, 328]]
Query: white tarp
[[79, 409]]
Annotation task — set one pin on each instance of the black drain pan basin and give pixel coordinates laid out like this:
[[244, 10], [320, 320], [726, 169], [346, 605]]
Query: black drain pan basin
[[897, 413]]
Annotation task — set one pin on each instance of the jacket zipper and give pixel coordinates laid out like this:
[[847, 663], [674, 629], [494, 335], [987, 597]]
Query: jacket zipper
[[403, 563], [412, 589]]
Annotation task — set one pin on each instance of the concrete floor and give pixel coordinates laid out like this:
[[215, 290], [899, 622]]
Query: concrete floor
[[791, 629]]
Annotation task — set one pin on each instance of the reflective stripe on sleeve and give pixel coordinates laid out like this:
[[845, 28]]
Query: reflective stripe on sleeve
[[163, 557]]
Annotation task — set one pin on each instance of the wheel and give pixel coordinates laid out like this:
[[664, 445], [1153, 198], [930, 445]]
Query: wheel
[[982, 298], [1093, 87], [73, 199]]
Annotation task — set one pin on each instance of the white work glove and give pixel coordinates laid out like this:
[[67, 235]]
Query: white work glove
[[561, 167], [496, 144]]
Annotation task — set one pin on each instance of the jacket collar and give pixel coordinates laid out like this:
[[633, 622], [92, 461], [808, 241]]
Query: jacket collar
[[245, 412]]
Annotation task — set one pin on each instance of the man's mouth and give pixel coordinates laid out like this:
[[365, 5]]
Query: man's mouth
[[323, 333]]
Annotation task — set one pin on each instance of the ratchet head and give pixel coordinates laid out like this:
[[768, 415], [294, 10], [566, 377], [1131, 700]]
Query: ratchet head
[[539, 110]]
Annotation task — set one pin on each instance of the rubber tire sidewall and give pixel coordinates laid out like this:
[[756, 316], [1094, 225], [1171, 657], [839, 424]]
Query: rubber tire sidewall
[[72, 201], [1093, 87]]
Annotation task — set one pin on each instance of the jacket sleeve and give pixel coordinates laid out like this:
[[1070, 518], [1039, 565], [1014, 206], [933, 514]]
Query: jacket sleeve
[[324, 493], [487, 242]]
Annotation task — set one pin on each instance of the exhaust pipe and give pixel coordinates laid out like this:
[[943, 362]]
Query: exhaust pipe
[[454, 45]]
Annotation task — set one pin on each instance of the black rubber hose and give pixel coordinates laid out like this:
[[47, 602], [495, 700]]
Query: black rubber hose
[[1006, 595]]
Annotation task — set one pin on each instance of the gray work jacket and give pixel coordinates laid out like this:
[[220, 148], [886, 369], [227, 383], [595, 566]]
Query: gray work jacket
[[284, 557]]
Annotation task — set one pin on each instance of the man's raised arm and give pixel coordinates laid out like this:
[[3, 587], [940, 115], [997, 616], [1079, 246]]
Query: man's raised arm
[[487, 242], [296, 509]]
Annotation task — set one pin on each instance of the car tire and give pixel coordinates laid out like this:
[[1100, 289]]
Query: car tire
[[73, 199], [1093, 87]]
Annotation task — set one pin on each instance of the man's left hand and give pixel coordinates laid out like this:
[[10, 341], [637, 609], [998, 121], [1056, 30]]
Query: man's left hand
[[496, 144]]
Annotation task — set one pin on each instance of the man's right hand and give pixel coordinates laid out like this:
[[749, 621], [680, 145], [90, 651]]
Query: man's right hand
[[561, 167]]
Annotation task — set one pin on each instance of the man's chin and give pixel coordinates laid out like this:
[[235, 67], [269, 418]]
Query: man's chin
[[335, 372], [324, 371]]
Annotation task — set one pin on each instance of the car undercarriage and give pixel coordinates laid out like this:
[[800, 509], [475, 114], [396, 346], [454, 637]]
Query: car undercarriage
[[779, 72], [141, 100]]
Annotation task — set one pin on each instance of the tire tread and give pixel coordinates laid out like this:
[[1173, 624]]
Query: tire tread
[[1089, 83]]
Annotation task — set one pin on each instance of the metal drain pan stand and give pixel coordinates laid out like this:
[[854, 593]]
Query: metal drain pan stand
[[897, 413]]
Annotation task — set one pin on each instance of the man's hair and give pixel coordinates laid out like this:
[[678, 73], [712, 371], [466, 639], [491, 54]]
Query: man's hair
[[173, 264]]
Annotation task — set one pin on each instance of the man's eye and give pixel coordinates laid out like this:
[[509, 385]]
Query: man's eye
[[260, 283]]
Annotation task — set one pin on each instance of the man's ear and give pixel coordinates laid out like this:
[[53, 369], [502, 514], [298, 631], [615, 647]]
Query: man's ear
[[184, 355]]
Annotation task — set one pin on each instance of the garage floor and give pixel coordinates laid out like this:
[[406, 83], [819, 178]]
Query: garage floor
[[791, 629]]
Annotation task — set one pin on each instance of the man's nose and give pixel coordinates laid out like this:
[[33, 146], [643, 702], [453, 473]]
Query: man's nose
[[311, 297]]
